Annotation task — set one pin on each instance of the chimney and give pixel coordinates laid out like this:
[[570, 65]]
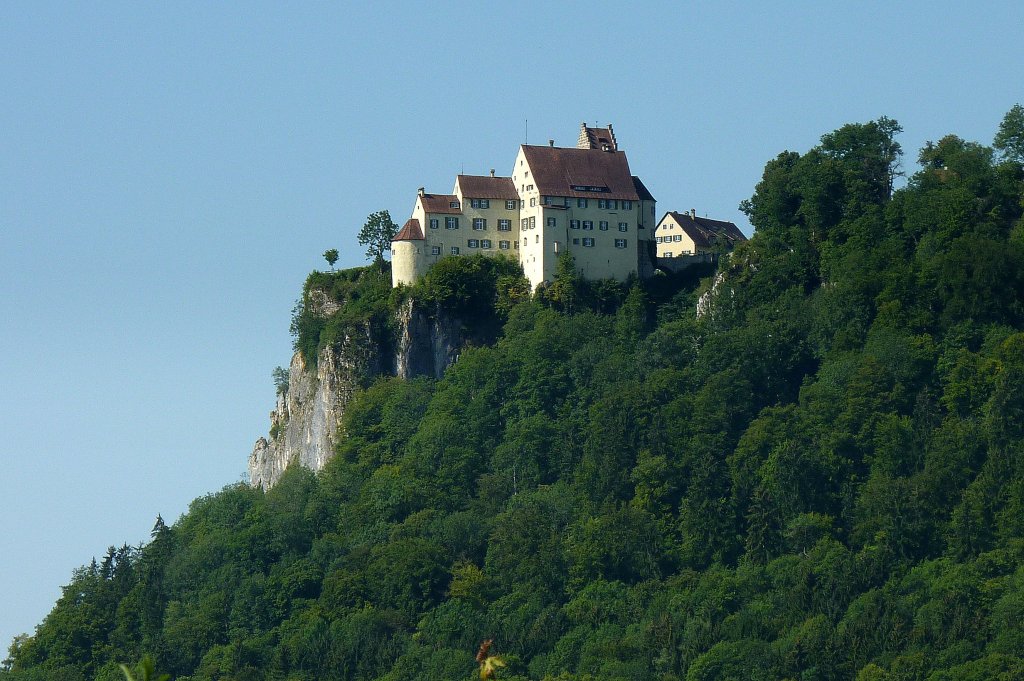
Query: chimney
[[492, 172], [551, 143], [693, 213], [420, 191]]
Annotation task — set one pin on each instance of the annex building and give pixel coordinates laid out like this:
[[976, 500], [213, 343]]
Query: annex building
[[583, 200]]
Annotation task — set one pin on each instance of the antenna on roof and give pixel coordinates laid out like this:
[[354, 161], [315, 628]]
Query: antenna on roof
[[526, 135]]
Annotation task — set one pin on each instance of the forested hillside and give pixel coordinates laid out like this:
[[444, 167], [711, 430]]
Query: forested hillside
[[820, 476]]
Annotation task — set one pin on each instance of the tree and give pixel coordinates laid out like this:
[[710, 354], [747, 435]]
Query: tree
[[376, 235], [489, 664], [280, 376], [146, 671], [331, 256], [1010, 138]]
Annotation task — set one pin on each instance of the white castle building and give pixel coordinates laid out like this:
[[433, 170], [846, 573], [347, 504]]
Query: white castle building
[[582, 200]]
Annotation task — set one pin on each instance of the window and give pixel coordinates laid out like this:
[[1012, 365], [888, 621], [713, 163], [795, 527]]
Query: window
[[485, 243], [533, 201], [479, 223], [581, 203], [677, 237], [668, 254], [601, 203], [536, 239], [473, 243], [504, 225], [627, 205], [517, 244], [620, 243], [588, 224], [480, 203], [453, 204], [455, 250], [451, 223], [433, 223], [574, 224], [533, 222], [658, 239], [524, 224], [503, 245], [575, 242], [551, 222], [529, 187], [603, 226], [588, 242], [435, 250], [623, 227], [511, 204], [546, 200]]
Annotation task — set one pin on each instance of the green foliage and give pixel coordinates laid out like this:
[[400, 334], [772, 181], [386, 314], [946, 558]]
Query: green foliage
[[376, 235], [331, 256], [819, 477], [336, 306], [1010, 138], [280, 376], [473, 287]]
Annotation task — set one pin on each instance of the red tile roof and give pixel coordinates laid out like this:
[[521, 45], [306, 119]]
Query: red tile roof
[[410, 232], [702, 229], [440, 203], [557, 170], [485, 187], [641, 190]]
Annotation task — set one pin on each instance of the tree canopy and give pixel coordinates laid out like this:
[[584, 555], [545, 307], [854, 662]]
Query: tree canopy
[[818, 477], [376, 235]]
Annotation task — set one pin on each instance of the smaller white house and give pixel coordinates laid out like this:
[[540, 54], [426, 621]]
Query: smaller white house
[[679, 234]]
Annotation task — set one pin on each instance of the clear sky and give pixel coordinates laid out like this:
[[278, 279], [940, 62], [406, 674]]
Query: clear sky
[[170, 172]]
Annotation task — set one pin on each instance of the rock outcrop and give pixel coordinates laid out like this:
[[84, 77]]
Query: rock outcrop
[[304, 424]]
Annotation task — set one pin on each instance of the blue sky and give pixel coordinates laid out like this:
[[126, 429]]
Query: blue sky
[[170, 172]]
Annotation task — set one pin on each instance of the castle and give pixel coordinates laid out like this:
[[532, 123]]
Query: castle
[[584, 201]]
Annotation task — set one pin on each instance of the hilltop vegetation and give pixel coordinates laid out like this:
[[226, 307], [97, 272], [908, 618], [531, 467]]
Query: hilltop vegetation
[[820, 477]]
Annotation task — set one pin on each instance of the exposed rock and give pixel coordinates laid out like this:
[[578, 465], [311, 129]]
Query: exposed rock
[[706, 299], [304, 424], [428, 343]]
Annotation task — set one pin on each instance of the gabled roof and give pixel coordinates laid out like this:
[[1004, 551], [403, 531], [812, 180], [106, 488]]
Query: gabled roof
[[411, 231], [440, 203], [702, 229], [486, 187], [558, 171], [641, 190], [597, 138]]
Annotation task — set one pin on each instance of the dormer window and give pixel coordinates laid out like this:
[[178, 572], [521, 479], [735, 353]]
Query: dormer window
[[453, 204]]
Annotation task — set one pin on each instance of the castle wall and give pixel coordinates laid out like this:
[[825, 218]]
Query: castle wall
[[407, 262]]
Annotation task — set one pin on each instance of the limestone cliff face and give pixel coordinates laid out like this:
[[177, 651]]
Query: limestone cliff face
[[304, 423], [428, 342]]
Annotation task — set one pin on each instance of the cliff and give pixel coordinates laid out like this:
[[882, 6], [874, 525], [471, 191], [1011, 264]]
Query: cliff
[[420, 340]]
